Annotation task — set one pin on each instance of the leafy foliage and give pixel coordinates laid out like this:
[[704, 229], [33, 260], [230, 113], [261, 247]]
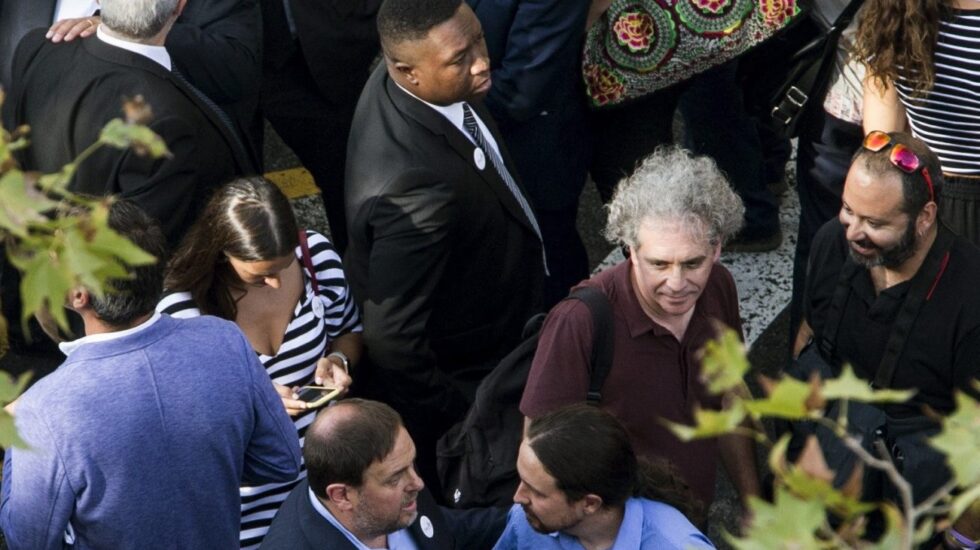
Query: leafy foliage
[[804, 496], [58, 239]]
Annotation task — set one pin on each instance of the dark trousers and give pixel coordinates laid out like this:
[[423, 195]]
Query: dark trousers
[[316, 129], [717, 124], [823, 158]]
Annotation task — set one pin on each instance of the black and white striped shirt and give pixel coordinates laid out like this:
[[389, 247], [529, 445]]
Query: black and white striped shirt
[[948, 117], [308, 335]]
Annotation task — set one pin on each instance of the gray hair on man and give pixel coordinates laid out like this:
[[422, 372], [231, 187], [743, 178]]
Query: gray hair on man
[[672, 185], [138, 19]]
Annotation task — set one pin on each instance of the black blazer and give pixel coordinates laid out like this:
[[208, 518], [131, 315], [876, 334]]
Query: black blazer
[[68, 91], [442, 259], [298, 526], [229, 31]]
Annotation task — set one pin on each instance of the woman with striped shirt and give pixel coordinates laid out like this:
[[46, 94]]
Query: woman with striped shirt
[[923, 59], [245, 260]]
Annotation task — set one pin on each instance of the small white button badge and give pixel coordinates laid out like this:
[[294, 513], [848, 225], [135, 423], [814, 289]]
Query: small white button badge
[[479, 158], [426, 524]]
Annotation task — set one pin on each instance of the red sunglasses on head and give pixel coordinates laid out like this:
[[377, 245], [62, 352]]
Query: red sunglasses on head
[[900, 156]]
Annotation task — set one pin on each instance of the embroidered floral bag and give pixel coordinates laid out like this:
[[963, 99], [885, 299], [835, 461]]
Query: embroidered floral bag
[[640, 46]]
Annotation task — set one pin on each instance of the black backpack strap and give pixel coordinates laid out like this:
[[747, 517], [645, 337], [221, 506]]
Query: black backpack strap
[[920, 291], [827, 341], [602, 339]]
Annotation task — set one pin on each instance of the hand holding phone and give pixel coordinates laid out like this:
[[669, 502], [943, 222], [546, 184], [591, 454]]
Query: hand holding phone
[[317, 396]]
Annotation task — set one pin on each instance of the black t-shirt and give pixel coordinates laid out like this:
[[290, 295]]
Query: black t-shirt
[[943, 349]]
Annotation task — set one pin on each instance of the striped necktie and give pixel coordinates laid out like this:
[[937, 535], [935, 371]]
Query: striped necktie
[[469, 122]]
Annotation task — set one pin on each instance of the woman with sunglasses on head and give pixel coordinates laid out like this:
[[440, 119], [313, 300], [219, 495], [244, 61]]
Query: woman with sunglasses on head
[[923, 60], [245, 260]]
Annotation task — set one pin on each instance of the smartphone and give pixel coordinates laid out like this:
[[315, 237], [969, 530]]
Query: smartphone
[[317, 396]]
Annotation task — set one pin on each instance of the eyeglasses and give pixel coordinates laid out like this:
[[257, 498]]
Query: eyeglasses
[[900, 156]]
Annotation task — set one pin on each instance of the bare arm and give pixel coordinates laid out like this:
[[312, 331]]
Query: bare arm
[[883, 110]]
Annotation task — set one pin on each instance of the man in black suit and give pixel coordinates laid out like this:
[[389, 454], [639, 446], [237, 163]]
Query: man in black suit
[[68, 91], [538, 100], [445, 254], [362, 491], [318, 55], [215, 44]]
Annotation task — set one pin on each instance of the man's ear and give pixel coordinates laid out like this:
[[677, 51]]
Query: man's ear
[[591, 503], [406, 70], [926, 217], [339, 495], [79, 298]]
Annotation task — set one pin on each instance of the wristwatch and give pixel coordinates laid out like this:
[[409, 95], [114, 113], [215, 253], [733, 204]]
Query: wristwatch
[[343, 359]]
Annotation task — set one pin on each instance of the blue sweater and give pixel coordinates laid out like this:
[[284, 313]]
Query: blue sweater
[[143, 440]]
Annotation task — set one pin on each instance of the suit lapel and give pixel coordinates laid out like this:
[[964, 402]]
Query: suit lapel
[[437, 124], [120, 56]]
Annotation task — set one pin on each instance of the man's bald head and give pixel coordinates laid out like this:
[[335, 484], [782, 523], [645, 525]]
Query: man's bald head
[[346, 439]]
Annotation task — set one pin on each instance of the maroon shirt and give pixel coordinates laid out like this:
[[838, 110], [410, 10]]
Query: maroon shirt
[[653, 375]]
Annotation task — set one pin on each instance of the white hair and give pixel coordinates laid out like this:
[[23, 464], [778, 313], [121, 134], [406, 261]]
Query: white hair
[[672, 185], [140, 19]]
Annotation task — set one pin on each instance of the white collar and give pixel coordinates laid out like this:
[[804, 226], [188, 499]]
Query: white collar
[[155, 53], [69, 347], [453, 111]]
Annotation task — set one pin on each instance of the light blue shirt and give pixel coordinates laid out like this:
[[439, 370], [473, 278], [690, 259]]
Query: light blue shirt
[[399, 540], [647, 525]]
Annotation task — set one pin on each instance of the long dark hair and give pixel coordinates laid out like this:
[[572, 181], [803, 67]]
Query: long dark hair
[[249, 219], [588, 451], [897, 38]]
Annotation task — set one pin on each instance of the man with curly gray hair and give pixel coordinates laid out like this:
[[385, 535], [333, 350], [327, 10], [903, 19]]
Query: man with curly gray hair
[[673, 215]]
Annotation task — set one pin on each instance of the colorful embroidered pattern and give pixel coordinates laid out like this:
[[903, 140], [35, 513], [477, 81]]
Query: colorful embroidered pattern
[[640, 46]]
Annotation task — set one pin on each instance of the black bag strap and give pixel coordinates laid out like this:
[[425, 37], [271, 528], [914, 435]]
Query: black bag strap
[[602, 339], [920, 291], [795, 97], [308, 262]]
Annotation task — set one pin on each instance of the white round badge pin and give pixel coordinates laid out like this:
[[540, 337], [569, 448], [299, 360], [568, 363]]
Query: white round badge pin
[[479, 158], [426, 524]]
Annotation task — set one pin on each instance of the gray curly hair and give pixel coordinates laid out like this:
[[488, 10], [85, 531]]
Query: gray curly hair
[[673, 185], [139, 19]]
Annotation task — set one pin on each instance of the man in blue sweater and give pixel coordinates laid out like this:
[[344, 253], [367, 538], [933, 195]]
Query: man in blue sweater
[[143, 435]]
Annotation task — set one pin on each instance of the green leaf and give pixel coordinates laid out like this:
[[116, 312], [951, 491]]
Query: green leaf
[[45, 281], [707, 423], [117, 133], [849, 386], [963, 501], [10, 388], [108, 243], [724, 364], [8, 432], [960, 439], [790, 523], [787, 400], [21, 203]]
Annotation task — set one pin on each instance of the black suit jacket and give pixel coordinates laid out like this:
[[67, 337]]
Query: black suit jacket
[[298, 526], [216, 45], [68, 91], [538, 96], [442, 259]]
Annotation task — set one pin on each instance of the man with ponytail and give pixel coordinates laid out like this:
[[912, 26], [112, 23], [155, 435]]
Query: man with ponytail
[[582, 487]]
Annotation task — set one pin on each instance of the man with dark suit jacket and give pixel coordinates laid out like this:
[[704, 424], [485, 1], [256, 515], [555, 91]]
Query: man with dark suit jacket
[[318, 55], [362, 491], [68, 91], [538, 100], [215, 44], [445, 254]]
